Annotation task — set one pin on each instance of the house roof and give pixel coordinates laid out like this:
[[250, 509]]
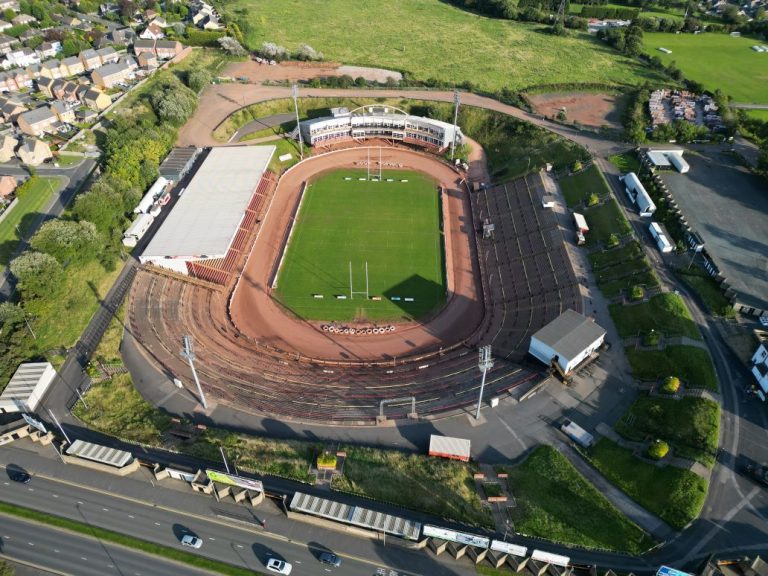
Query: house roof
[[569, 334], [112, 69], [107, 51], [38, 115], [144, 43], [71, 61], [88, 54], [166, 44]]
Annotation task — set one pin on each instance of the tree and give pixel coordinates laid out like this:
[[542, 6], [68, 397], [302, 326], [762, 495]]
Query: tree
[[67, 240], [173, 102], [274, 51], [232, 46], [38, 274], [8, 14], [11, 315], [306, 52], [198, 79], [658, 449]]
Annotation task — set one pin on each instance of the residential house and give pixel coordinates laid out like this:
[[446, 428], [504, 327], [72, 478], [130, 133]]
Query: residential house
[[23, 78], [144, 46], [10, 109], [6, 42], [5, 25], [112, 74], [160, 22], [86, 115], [33, 152], [7, 83], [90, 59], [212, 23], [37, 122], [12, 4], [147, 61], [27, 35], [32, 72], [7, 183], [63, 112], [152, 32], [123, 36], [166, 49], [49, 49], [149, 14], [45, 85], [94, 98], [108, 8], [7, 148], [74, 65], [70, 21], [23, 19], [52, 69], [65, 90], [108, 55], [21, 58]]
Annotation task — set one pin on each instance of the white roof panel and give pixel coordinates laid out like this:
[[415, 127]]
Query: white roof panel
[[100, 454], [449, 445], [204, 221]]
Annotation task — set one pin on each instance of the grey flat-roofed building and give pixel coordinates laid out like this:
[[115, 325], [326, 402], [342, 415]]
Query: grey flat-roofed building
[[568, 340], [27, 387], [178, 163], [206, 218]]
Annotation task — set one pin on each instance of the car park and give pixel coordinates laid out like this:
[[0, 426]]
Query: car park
[[279, 566], [191, 541]]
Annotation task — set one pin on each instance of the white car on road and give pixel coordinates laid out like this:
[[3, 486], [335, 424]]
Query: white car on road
[[279, 566], [191, 541]]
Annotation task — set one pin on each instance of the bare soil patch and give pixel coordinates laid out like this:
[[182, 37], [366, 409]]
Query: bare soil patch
[[587, 108]]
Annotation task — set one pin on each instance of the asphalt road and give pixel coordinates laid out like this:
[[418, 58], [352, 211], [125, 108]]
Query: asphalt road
[[66, 553], [248, 546]]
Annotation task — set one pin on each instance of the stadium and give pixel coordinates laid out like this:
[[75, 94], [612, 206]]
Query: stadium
[[357, 284]]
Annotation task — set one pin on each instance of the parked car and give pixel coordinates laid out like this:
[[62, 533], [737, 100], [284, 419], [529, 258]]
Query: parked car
[[758, 473], [329, 558], [279, 566], [191, 541]]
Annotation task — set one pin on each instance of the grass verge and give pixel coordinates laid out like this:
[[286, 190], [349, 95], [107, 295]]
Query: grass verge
[[690, 425], [604, 220], [123, 540], [689, 363], [555, 502], [666, 313], [709, 291], [22, 218], [673, 494], [445, 488], [626, 162]]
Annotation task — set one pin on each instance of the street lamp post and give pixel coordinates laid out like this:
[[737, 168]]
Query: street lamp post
[[484, 363], [295, 94], [189, 353]]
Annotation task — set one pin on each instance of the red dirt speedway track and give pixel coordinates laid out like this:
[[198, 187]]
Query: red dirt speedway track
[[255, 356]]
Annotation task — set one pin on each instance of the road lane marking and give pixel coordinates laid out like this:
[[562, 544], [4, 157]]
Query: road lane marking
[[31, 543], [55, 495], [105, 509], [157, 523], [131, 516]]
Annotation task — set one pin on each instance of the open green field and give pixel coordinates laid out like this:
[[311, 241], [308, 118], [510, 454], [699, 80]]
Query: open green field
[[604, 220], [673, 494], [24, 215], [690, 425], [689, 363], [555, 502], [393, 226], [666, 313], [758, 114], [576, 188], [717, 61], [432, 39], [438, 486]]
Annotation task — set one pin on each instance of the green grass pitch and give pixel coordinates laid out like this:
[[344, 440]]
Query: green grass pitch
[[394, 226]]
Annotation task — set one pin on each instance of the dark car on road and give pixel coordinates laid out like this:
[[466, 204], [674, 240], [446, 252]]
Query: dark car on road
[[329, 558], [758, 473], [19, 476]]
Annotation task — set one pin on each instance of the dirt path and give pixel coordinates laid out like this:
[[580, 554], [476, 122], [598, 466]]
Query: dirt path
[[257, 315], [221, 100]]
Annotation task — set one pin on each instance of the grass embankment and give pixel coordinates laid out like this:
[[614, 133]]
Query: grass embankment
[[436, 486], [626, 162], [604, 220], [717, 61], [578, 187], [619, 269], [513, 147], [665, 313], [104, 535], [690, 425], [673, 494], [67, 160], [709, 291], [460, 46], [689, 363], [24, 215], [555, 502]]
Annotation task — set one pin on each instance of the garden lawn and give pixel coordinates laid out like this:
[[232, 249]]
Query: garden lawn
[[24, 215], [345, 224], [626, 162], [717, 61], [666, 313], [690, 425], [604, 220], [432, 39], [689, 363], [555, 502], [578, 187], [445, 488], [673, 494]]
